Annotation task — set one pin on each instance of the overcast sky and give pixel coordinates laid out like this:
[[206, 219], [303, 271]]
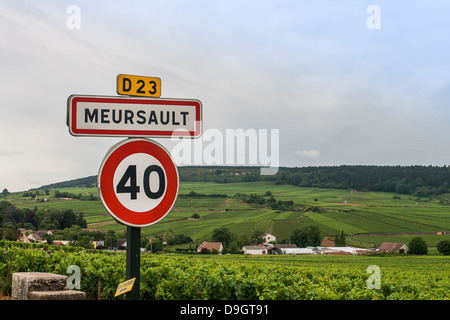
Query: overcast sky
[[339, 92]]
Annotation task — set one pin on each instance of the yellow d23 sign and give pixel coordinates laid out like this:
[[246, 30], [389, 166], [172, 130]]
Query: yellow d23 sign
[[138, 86]]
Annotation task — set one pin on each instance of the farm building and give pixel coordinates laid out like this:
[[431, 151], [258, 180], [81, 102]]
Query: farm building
[[255, 250], [292, 249], [298, 251], [278, 247], [325, 250], [341, 250], [209, 246], [393, 247]]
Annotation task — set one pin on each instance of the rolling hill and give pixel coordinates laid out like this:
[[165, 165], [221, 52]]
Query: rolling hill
[[420, 181], [366, 217]]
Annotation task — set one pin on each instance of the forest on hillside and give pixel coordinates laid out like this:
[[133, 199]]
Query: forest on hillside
[[420, 181]]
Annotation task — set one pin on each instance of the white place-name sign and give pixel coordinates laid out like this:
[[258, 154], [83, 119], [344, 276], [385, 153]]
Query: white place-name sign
[[133, 117]]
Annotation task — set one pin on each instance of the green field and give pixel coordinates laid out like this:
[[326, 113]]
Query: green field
[[369, 217]]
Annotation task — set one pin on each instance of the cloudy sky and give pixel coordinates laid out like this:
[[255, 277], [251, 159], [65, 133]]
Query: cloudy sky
[[344, 83]]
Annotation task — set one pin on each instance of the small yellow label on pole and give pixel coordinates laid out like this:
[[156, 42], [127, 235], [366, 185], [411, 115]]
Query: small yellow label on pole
[[138, 86], [124, 287]]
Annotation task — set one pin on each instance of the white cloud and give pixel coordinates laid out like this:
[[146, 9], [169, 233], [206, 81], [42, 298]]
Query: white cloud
[[313, 154]]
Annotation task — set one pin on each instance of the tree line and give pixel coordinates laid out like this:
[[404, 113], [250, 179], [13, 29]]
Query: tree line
[[12, 217], [266, 200], [419, 181]]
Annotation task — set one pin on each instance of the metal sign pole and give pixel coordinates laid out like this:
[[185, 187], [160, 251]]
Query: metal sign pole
[[134, 261]]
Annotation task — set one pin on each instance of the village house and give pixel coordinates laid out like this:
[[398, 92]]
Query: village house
[[210, 246], [269, 238], [393, 247], [38, 236], [24, 233]]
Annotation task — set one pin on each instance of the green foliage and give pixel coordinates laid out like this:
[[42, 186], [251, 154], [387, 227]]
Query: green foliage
[[267, 200], [257, 237], [110, 240], [223, 235], [212, 277], [194, 194], [307, 236], [420, 181], [86, 242], [339, 241], [77, 236], [154, 245], [179, 239], [417, 246], [50, 219], [444, 247]]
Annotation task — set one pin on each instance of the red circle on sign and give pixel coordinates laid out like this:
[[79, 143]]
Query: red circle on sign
[[107, 188]]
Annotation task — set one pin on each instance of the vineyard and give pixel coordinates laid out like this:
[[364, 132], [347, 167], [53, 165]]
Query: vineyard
[[368, 218], [238, 277]]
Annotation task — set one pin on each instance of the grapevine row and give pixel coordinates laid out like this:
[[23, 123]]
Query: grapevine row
[[186, 277]]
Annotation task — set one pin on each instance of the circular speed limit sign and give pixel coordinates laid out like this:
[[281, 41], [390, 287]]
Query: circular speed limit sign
[[138, 182]]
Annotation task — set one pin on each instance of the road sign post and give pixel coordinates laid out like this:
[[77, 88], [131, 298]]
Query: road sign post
[[133, 259]]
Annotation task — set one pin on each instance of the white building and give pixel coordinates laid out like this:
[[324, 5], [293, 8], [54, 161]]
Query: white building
[[298, 251], [342, 250], [255, 250], [269, 237]]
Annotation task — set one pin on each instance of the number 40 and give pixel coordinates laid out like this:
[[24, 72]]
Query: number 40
[[133, 189]]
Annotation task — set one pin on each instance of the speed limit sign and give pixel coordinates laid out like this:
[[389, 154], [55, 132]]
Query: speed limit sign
[[138, 182]]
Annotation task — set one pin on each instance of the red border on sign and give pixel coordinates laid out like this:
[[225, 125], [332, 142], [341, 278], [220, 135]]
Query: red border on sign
[[106, 185], [72, 122]]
